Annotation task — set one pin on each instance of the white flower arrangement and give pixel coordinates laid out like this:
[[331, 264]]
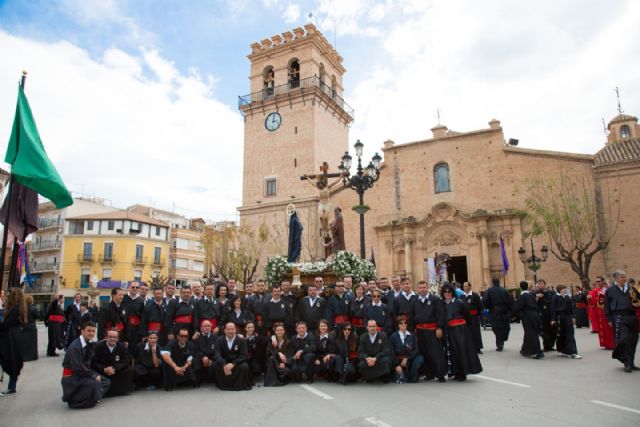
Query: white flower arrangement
[[314, 267], [347, 263], [276, 269]]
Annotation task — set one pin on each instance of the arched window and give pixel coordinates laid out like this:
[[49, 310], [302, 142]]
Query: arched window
[[441, 178], [334, 85], [268, 80], [624, 132], [294, 74], [323, 75]]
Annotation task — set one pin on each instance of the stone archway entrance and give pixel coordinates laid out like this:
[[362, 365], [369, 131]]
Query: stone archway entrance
[[457, 269]]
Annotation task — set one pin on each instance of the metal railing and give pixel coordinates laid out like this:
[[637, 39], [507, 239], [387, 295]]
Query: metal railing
[[159, 261], [294, 85], [45, 266], [139, 260], [50, 222], [85, 258], [45, 245], [107, 258], [40, 288]]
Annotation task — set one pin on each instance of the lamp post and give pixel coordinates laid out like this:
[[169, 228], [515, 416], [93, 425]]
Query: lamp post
[[533, 262], [361, 181]]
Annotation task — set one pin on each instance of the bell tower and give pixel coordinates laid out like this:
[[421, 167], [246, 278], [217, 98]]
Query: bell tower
[[295, 118]]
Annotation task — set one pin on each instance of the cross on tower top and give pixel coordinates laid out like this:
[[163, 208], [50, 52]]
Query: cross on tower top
[[617, 89]]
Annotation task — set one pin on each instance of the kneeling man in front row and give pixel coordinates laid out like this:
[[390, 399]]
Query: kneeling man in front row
[[231, 367], [81, 386], [112, 359], [375, 354], [178, 360]]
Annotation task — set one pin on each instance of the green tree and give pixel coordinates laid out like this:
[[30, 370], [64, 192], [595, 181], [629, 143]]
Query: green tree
[[578, 218]]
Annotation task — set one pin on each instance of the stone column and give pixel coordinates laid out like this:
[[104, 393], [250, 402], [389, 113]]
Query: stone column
[[408, 257], [486, 268], [516, 241]]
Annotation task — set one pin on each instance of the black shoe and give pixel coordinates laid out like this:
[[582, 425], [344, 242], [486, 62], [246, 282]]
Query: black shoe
[[634, 368], [628, 368], [538, 356], [53, 355], [461, 378], [499, 348], [442, 380], [8, 392]]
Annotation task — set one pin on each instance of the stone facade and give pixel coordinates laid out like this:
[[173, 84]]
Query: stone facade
[[409, 220]]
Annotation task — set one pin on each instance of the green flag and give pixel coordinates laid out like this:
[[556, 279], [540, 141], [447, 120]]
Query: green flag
[[31, 166]]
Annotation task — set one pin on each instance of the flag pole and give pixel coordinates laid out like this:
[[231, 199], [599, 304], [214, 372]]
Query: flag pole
[[5, 233]]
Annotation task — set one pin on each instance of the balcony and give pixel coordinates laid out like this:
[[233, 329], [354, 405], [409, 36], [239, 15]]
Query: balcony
[[49, 222], [159, 261], [107, 259], [45, 246], [44, 267], [303, 86], [139, 260], [40, 289], [85, 258]]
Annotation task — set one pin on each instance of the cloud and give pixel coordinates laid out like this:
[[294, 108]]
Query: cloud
[[545, 72], [291, 13], [128, 128]]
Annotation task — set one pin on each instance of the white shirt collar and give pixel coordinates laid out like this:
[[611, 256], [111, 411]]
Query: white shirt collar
[[305, 335], [372, 338], [146, 346], [322, 336], [111, 349], [524, 292], [272, 300], [83, 342], [377, 305]]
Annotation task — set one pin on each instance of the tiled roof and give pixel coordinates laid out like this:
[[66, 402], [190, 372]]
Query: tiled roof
[[622, 118], [618, 152]]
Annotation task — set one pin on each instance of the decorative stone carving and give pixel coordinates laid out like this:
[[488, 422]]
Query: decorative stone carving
[[447, 238], [493, 237]]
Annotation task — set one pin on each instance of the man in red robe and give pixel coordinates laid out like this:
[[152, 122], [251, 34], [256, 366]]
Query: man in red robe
[[605, 331], [592, 298]]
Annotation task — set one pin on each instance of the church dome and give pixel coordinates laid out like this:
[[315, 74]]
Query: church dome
[[621, 118]]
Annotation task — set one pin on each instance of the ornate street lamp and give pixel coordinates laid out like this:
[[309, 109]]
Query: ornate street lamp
[[361, 181], [533, 262]]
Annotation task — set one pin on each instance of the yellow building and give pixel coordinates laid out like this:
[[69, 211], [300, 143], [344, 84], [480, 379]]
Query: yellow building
[[103, 250]]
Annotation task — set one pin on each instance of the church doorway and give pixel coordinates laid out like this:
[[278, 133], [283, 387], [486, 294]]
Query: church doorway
[[457, 269]]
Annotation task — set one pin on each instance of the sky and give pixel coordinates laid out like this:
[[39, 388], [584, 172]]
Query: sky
[[136, 101]]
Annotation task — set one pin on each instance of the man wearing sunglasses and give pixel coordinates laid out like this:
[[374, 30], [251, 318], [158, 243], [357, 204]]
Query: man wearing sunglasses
[[134, 307], [178, 360]]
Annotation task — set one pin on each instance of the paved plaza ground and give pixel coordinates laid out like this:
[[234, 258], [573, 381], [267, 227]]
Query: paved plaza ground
[[512, 390]]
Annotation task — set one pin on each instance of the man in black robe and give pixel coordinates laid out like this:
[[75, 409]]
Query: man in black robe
[[526, 309], [148, 363], [73, 320], [474, 308], [580, 307], [113, 315], [134, 308], [620, 313], [375, 354], [402, 304], [54, 320], [81, 386], [258, 305], [427, 319], [207, 309], [205, 353], [563, 317], [276, 310], [180, 314], [311, 309], [153, 316], [231, 367], [499, 303], [178, 358], [338, 307], [549, 330], [112, 360], [303, 349]]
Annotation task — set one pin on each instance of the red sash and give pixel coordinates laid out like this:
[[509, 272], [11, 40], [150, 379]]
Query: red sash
[[184, 319], [357, 321], [214, 322], [258, 317], [154, 326], [427, 326], [354, 355], [66, 372], [473, 312], [456, 322], [580, 305], [379, 328], [119, 326], [58, 318], [340, 318], [134, 320]]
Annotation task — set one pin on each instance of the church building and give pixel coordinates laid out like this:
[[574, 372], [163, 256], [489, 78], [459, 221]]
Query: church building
[[454, 192]]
